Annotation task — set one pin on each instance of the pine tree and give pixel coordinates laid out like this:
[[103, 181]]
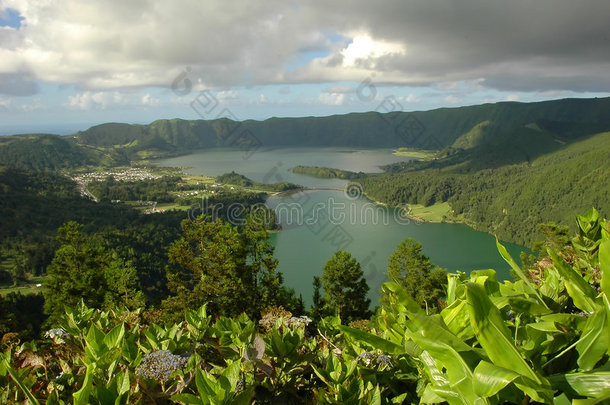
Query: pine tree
[[317, 309], [409, 267], [232, 271], [83, 269], [345, 288]]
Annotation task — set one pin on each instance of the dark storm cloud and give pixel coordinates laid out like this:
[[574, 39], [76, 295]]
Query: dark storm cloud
[[508, 44], [471, 39]]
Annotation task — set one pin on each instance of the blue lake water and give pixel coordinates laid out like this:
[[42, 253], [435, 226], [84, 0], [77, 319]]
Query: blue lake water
[[318, 223]]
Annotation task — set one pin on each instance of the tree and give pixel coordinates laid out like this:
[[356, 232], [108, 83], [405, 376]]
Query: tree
[[83, 269], [121, 280], [22, 314], [345, 288], [231, 271], [409, 267], [317, 309]]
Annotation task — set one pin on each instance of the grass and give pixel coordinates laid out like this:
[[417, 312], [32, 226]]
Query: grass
[[415, 153], [28, 287], [434, 213], [192, 179]]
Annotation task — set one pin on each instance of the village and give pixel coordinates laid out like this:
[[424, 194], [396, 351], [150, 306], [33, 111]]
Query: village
[[188, 187]]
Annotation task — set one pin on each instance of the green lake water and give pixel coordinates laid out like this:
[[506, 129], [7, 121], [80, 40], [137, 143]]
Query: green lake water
[[317, 223]]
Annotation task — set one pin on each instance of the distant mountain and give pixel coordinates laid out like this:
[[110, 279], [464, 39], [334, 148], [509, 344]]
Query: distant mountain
[[505, 123]]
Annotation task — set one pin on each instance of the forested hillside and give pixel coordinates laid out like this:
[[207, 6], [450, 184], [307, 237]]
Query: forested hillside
[[507, 196], [463, 127]]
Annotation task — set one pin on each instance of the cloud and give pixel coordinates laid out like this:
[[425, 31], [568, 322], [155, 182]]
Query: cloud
[[5, 103], [331, 98], [35, 105], [15, 84], [149, 100], [341, 89], [517, 45], [97, 100]]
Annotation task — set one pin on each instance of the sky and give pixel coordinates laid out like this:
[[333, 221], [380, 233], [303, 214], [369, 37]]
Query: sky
[[68, 64]]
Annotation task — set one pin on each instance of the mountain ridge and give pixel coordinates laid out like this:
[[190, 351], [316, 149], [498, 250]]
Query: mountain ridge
[[119, 143]]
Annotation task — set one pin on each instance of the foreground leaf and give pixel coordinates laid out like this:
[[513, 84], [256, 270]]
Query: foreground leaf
[[490, 379], [495, 338]]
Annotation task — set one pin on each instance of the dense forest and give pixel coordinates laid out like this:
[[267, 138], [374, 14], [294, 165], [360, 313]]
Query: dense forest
[[326, 172], [504, 198]]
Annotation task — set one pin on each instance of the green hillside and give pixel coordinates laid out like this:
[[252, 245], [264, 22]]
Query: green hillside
[[509, 199], [43, 152], [504, 125]]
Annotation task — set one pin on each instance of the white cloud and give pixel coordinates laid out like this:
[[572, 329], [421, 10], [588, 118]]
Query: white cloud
[[35, 105], [411, 98], [226, 95], [5, 102], [149, 100], [331, 98], [363, 50], [452, 99], [96, 100]]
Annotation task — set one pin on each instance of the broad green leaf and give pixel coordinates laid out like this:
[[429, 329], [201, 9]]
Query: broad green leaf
[[322, 375], [113, 338], [490, 379], [594, 341], [205, 387], [589, 221], [81, 397], [604, 262], [123, 384], [551, 286], [376, 397], [507, 257], [104, 395], [591, 384], [562, 400], [95, 342], [244, 397], [152, 338], [496, 340], [232, 373], [544, 326], [402, 297], [602, 399], [187, 399], [377, 342], [457, 319], [431, 397], [436, 375], [431, 327], [447, 393], [527, 306], [277, 344], [458, 372], [578, 288]]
